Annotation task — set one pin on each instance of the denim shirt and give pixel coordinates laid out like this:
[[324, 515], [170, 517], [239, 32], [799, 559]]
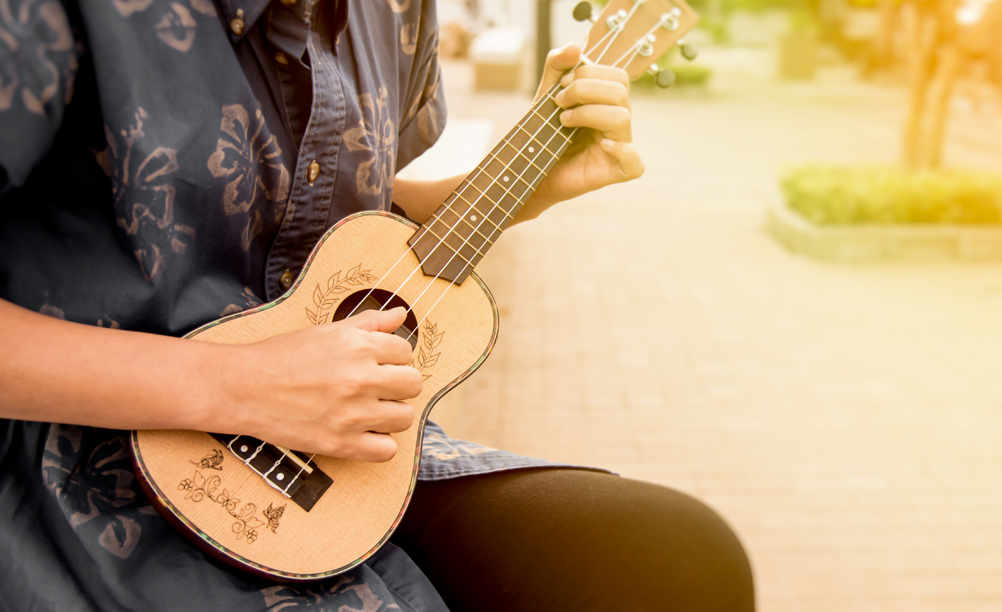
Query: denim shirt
[[164, 163]]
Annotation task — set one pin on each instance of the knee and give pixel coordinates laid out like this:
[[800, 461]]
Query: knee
[[699, 555]]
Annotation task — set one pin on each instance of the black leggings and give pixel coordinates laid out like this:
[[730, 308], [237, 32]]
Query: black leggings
[[563, 539]]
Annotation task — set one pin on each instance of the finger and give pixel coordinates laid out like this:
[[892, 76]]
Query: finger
[[391, 349], [379, 320], [597, 71], [371, 447], [628, 164], [558, 61], [392, 417], [612, 121], [397, 382], [594, 91]]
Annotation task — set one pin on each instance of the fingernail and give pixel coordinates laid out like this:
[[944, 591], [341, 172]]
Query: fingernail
[[565, 116], [566, 79], [559, 98], [608, 143]]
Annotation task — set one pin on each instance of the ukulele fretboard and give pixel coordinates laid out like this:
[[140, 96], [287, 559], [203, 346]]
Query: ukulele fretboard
[[454, 239]]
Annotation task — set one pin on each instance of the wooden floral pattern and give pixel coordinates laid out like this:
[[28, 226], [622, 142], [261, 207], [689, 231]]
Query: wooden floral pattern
[[325, 298], [428, 353], [245, 524]]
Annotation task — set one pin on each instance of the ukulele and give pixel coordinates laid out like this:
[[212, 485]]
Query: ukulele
[[292, 516]]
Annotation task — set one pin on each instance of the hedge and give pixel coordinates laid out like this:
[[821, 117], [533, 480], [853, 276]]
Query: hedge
[[843, 196]]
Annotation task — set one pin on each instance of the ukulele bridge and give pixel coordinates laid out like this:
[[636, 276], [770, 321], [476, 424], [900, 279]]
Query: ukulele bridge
[[292, 474]]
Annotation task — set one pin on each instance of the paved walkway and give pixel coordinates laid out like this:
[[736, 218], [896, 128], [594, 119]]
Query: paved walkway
[[846, 420]]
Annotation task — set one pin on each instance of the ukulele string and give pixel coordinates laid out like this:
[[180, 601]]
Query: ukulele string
[[619, 28], [410, 308], [629, 56], [448, 206], [468, 180], [496, 206], [479, 172], [636, 48]]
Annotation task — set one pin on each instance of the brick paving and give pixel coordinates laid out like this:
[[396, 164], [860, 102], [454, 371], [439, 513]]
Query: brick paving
[[846, 420]]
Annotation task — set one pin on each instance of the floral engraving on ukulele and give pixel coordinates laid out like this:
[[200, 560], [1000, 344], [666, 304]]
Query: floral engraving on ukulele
[[273, 515], [426, 358], [199, 487], [212, 461], [326, 298]]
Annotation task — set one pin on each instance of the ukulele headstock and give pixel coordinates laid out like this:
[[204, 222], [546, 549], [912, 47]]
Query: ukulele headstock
[[633, 34]]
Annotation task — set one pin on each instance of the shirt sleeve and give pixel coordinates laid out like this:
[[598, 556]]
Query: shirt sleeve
[[424, 118], [39, 56]]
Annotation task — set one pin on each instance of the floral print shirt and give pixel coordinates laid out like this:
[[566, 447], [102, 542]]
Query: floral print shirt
[[164, 163]]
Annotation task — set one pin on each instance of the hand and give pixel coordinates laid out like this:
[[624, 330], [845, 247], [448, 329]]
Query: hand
[[330, 389], [597, 100]]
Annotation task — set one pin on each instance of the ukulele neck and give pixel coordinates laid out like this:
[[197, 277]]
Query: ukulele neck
[[457, 236]]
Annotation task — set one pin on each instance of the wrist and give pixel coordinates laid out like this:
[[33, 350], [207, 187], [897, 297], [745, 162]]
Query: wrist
[[214, 387]]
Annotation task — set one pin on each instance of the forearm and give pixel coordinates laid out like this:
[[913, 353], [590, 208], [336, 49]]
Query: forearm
[[52, 370], [422, 198]]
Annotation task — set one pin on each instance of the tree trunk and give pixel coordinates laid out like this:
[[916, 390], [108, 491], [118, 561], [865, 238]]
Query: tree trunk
[[931, 148], [921, 32]]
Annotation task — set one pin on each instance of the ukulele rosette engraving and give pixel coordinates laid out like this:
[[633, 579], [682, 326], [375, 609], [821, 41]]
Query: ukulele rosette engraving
[[198, 488], [325, 299], [427, 356]]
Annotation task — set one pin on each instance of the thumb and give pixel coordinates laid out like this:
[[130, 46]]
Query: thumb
[[386, 321], [558, 61]]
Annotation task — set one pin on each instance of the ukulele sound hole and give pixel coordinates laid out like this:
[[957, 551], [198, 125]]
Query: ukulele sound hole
[[378, 299]]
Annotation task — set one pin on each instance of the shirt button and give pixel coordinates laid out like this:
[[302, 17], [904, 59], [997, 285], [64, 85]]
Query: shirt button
[[281, 59], [286, 279], [237, 25], [313, 172]]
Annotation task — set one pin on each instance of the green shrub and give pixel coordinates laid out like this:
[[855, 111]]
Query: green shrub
[[839, 196]]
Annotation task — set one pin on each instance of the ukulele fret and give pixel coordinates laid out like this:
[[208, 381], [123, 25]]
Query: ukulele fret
[[493, 193], [472, 253], [462, 216]]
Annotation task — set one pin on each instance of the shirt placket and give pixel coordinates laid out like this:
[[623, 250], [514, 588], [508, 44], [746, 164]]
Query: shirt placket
[[315, 173]]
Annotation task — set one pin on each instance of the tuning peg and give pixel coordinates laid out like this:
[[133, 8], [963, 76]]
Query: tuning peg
[[583, 12], [664, 77], [689, 52]]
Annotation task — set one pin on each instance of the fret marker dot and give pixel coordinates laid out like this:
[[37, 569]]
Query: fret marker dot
[[532, 150], [506, 179], [243, 448], [280, 476], [473, 217]]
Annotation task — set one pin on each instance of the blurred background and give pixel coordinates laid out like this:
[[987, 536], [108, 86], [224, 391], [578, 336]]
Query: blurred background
[[795, 315]]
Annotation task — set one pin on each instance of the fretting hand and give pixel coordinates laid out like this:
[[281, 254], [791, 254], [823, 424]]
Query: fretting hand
[[597, 101]]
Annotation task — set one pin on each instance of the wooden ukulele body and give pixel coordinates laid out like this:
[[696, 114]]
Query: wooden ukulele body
[[232, 511]]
